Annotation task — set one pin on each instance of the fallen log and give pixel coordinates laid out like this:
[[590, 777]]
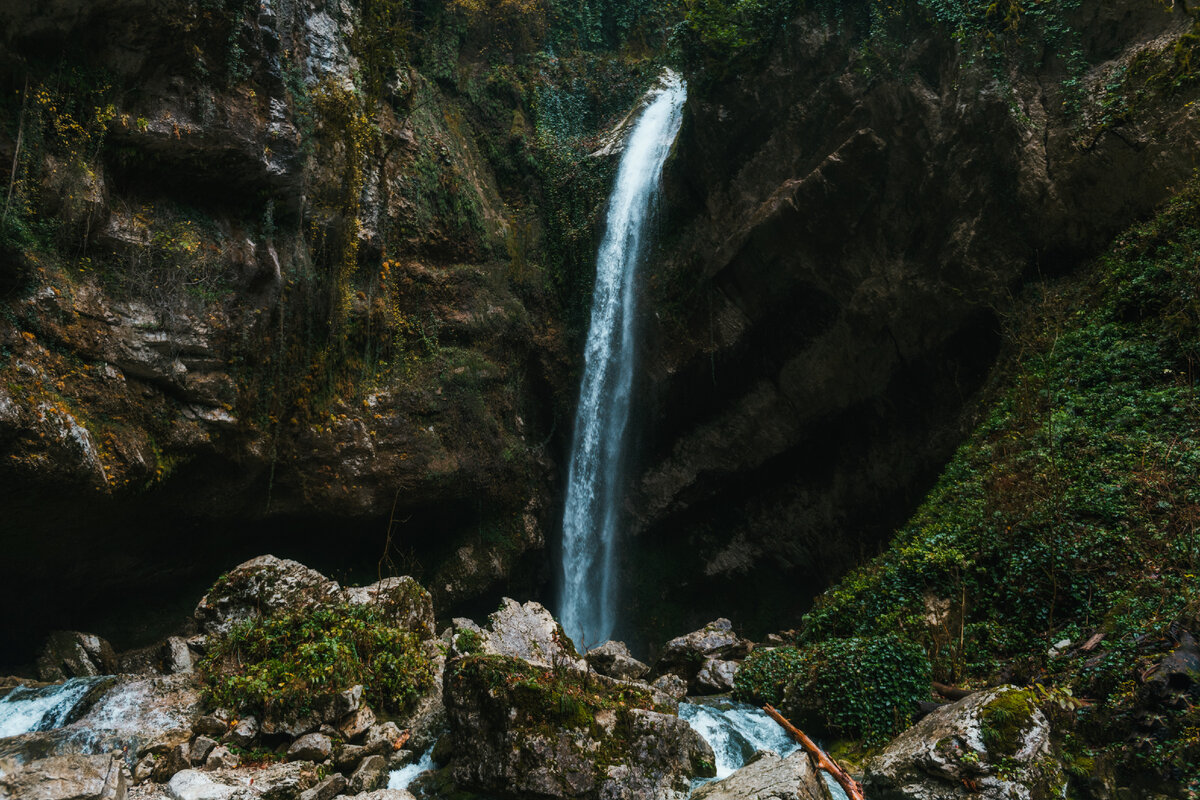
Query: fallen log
[[851, 787], [952, 692]]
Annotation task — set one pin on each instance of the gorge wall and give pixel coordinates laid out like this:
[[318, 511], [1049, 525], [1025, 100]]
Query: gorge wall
[[850, 215], [277, 275], [310, 277]]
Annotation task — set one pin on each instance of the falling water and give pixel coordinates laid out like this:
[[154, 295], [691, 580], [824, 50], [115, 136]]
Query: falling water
[[587, 607]]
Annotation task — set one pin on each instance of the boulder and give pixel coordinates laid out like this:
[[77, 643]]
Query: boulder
[[614, 660], [261, 586], [993, 745], [768, 776], [404, 602], [71, 654], [518, 729], [347, 756], [716, 676], [284, 781], [174, 761], [71, 777], [244, 732], [371, 774], [380, 794], [528, 632], [209, 725], [685, 655], [314, 747], [200, 749], [381, 739], [191, 784], [331, 708], [221, 758], [356, 723], [327, 789], [671, 685]]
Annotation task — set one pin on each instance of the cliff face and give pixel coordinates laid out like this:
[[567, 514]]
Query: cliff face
[[274, 273], [845, 224]]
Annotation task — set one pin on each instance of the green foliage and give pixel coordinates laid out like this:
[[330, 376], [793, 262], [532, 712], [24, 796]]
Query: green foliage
[[285, 663], [725, 36], [863, 687], [765, 674], [1074, 507]]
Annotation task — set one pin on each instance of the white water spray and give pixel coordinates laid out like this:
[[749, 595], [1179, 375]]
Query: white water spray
[[587, 608]]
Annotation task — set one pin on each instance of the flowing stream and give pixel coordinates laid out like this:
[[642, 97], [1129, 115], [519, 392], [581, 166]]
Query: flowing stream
[[28, 709], [594, 485], [736, 731]]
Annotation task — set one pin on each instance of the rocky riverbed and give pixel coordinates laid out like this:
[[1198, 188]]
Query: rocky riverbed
[[511, 710]]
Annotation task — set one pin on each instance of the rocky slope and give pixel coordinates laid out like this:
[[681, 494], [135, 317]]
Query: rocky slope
[[847, 216]]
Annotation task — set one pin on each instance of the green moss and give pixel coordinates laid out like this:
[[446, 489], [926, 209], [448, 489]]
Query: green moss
[[1004, 719], [285, 663]]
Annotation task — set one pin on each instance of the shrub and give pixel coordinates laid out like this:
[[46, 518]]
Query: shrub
[[866, 688], [285, 663], [765, 674]]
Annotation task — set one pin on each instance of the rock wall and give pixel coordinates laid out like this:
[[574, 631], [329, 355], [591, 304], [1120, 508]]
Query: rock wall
[[261, 285], [844, 226]]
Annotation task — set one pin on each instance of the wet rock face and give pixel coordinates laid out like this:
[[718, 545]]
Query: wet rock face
[[823, 310], [994, 745]]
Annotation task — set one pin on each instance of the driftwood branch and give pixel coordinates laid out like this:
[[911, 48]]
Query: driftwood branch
[[853, 790]]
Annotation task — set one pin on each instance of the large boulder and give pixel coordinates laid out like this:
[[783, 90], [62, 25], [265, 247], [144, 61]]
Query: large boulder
[[276, 782], [769, 776], [993, 745], [687, 655], [518, 729], [528, 632], [259, 587], [70, 777]]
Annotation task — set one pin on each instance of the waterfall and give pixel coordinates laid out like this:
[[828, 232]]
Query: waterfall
[[594, 487]]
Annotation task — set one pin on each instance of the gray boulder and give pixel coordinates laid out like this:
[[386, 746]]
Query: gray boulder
[[380, 794], [244, 732], [685, 655], [371, 774], [992, 745], [71, 777], [716, 676], [528, 632], [260, 587], [381, 739], [314, 747], [614, 660], [767, 776], [327, 789]]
